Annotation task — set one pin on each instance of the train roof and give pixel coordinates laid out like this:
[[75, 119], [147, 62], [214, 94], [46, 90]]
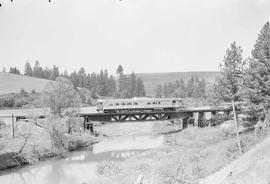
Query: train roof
[[139, 99]]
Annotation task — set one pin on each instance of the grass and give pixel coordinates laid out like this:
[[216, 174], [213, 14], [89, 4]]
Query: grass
[[39, 145], [152, 80], [11, 83], [186, 157]]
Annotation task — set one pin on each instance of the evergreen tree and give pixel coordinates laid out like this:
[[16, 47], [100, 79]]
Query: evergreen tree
[[190, 87], [139, 90], [159, 91], [202, 88], [65, 74], [122, 83], [101, 86], [37, 70], [81, 77], [47, 73], [111, 86], [182, 87], [196, 90], [54, 73], [119, 70], [74, 79], [228, 85], [14, 70], [28, 69], [132, 84], [165, 90], [257, 80]]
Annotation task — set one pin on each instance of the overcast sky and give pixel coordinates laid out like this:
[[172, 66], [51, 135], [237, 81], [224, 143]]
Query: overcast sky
[[142, 35]]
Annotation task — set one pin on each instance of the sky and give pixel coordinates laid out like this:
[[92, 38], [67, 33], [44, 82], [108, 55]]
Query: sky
[[145, 36]]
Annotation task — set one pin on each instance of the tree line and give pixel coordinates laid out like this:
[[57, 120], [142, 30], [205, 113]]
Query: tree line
[[100, 84], [194, 88], [247, 79]]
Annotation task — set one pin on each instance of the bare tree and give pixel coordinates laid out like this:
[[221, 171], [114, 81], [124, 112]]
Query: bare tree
[[61, 96]]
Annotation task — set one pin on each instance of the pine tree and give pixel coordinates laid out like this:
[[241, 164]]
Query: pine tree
[[202, 88], [101, 86], [132, 84], [196, 90], [65, 74], [257, 80], [120, 70], [228, 85], [165, 90], [159, 91], [139, 90], [81, 77], [111, 86], [74, 79], [14, 70], [182, 87], [55, 73], [190, 87], [37, 70], [28, 69]]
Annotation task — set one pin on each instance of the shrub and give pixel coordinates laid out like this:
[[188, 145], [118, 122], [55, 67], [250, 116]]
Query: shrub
[[8, 101], [20, 102]]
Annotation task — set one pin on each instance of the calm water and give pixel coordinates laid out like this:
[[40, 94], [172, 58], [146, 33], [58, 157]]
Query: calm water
[[80, 166]]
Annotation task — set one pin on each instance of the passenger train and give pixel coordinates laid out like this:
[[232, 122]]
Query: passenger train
[[139, 104]]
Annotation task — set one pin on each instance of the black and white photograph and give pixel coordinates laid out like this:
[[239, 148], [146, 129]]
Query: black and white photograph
[[134, 92]]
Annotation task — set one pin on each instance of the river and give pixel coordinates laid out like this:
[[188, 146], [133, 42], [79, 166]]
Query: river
[[81, 166]]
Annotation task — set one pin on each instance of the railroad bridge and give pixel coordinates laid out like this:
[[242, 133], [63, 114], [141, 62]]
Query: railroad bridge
[[90, 114], [193, 114]]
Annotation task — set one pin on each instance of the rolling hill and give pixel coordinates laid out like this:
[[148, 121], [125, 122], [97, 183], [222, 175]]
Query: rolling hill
[[152, 80], [12, 83]]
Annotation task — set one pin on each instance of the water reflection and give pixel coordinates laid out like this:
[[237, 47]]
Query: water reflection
[[80, 166]]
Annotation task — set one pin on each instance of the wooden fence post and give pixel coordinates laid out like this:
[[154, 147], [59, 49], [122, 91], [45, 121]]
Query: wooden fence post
[[236, 128], [13, 132]]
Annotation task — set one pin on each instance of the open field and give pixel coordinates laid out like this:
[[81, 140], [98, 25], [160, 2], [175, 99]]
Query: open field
[[151, 80], [11, 83]]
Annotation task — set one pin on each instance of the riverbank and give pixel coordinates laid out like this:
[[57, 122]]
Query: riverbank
[[185, 157], [33, 144], [38, 146]]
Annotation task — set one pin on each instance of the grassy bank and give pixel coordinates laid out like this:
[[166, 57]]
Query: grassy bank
[[33, 143], [185, 157]]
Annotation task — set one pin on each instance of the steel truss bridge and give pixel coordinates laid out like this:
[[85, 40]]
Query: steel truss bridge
[[133, 116], [90, 114]]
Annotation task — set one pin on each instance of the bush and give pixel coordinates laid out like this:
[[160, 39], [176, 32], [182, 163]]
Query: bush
[[8, 101], [20, 102]]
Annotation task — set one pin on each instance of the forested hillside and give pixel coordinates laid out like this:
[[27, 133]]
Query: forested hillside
[[152, 80]]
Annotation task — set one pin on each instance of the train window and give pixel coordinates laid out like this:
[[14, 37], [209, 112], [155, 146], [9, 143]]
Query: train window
[[173, 101], [158, 102], [148, 103], [100, 103], [110, 104], [116, 103], [129, 103], [154, 102], [135, 103], [123, 104]]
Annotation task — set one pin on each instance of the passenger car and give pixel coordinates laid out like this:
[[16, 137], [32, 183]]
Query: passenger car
[[139, 104]]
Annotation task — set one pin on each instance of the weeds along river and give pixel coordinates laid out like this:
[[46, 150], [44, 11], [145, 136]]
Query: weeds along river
[[126, 140]]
